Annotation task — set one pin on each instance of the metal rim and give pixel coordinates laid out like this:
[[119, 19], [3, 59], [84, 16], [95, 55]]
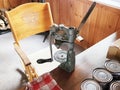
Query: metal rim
[[115, 85], [90, 84], [102, 75], [61, 56], [112, 66]]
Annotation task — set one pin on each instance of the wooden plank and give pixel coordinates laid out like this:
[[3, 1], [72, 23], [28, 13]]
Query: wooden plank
[[64, 12], [118, 24], [88, 30], [9, 4], [6, 4], [106, 23], [14, 3], [1, 4], [54, 4]]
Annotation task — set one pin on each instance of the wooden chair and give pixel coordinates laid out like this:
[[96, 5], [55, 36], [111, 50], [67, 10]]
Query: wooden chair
[[26, 20]]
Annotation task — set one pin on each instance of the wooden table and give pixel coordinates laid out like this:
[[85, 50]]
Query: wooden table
[[86, 61]]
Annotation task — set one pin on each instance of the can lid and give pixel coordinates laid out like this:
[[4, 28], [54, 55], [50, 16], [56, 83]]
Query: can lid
[[115, 85], [90, 84], [112, 65], [61, 56], [102, 75]]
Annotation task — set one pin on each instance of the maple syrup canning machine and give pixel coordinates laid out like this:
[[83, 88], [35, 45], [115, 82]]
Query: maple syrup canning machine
[[65, 35]]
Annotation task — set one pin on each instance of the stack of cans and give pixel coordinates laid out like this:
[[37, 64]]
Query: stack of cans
[[115, 85], [100, 80], [107, 78], [113, 66], [102, 76]]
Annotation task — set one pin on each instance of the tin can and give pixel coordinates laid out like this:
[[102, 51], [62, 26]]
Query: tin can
[[115, 85], [90, 84], [103, 76], [113, 66]]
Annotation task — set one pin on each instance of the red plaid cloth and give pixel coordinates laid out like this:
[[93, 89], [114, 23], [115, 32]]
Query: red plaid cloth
[[44, 82]]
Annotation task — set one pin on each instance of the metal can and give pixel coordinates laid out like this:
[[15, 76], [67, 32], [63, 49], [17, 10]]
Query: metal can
[[115, 85], [114, 67], [102, 76], [90, 84]]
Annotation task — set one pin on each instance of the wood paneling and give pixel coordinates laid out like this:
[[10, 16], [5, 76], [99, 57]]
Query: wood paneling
[[14, 3], [6, 4], [55, 9], [64, 12], [9, 4], [106, 22], [102, 22], [1, 3], [118, 25]]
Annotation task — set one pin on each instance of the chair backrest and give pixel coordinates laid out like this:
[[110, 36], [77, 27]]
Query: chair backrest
[[29, 19]]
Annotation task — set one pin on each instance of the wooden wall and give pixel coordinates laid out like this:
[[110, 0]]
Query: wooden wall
[[9, 4], [102, 22]]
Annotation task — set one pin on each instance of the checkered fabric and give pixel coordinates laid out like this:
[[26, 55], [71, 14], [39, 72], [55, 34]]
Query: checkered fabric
[[44, 82]]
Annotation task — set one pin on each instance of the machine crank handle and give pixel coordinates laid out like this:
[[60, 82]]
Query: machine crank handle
[[40, 61]]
